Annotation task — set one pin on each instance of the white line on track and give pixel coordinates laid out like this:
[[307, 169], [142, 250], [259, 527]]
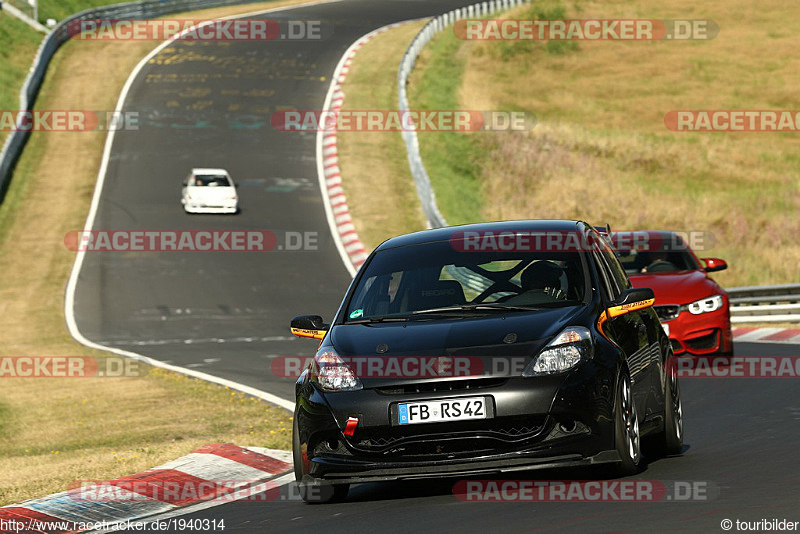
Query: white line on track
[[189, 341], [69, 300]]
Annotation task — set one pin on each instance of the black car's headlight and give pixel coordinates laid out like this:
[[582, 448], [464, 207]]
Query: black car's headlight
[[332, 373], [572, 346], [706, 305]]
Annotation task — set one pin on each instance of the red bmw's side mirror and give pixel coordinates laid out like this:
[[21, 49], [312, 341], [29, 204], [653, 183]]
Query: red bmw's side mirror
[[714, 264]]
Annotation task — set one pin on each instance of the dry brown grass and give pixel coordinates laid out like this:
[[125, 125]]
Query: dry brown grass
[[58, 430], [601, 151], [375, 175]]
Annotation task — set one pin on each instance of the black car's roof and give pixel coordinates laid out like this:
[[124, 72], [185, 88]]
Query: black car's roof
[[445, 233]]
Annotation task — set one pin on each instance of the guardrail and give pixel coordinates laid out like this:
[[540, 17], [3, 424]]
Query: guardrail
[[760, 304], [748, 304], [422, 182], [20, 14], [425, 192], [15, 142]]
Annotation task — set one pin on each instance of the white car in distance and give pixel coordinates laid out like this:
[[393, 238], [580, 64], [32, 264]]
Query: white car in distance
[[209, 191]]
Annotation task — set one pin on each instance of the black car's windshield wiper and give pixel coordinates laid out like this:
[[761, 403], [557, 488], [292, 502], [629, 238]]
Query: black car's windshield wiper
[[476, 307], [463, 309], [384, 319]]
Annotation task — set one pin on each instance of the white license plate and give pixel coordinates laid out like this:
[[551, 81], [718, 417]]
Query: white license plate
[[666, 328], [409, 413]]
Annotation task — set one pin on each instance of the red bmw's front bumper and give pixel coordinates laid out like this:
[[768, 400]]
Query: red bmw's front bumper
[[703, 334]]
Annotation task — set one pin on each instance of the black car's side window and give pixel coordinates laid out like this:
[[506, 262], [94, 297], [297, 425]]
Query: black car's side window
[[606, 280], [606, 285], [615, 267]]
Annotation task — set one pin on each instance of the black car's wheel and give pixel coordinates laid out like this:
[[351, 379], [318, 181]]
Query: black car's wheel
[[313, 490], [628, 441], [672, 439]]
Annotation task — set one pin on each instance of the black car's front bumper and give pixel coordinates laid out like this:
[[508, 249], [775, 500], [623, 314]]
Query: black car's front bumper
[[350, 472], [537, 423]]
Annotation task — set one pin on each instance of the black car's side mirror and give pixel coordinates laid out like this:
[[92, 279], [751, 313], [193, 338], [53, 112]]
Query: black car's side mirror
[[635, 298], [311, 326]]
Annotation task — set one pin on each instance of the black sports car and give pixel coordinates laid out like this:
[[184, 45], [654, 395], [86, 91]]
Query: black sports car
[[481, 349]]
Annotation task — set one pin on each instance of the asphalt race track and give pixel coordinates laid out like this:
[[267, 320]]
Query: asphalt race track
[[209, 105], [741, 436], [227, 314]]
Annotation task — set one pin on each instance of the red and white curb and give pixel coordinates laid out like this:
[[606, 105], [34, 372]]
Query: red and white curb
[[766, 335], [224, 472], [350, 247]]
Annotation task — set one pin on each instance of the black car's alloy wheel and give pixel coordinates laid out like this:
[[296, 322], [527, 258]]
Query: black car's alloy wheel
[[673, 417], [627, 424]]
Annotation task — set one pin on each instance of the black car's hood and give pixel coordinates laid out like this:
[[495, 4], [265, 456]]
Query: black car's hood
[[480, 337]]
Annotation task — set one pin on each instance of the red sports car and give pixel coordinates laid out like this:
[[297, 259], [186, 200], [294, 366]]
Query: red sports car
[[693, 308]]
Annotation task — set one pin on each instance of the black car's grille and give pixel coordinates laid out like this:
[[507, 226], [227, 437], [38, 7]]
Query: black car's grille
[[446, 385], [461, 436], [667, 312]]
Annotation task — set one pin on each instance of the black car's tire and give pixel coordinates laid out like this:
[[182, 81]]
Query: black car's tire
[[626, 422], [297, 457], [313, 490], [672, 438]]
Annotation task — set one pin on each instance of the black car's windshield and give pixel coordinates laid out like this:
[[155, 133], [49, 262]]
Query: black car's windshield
[[435, 278]]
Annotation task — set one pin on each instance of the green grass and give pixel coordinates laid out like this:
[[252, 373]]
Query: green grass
[[60, 9], [19, 42], [18, 45], [452, 159]]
